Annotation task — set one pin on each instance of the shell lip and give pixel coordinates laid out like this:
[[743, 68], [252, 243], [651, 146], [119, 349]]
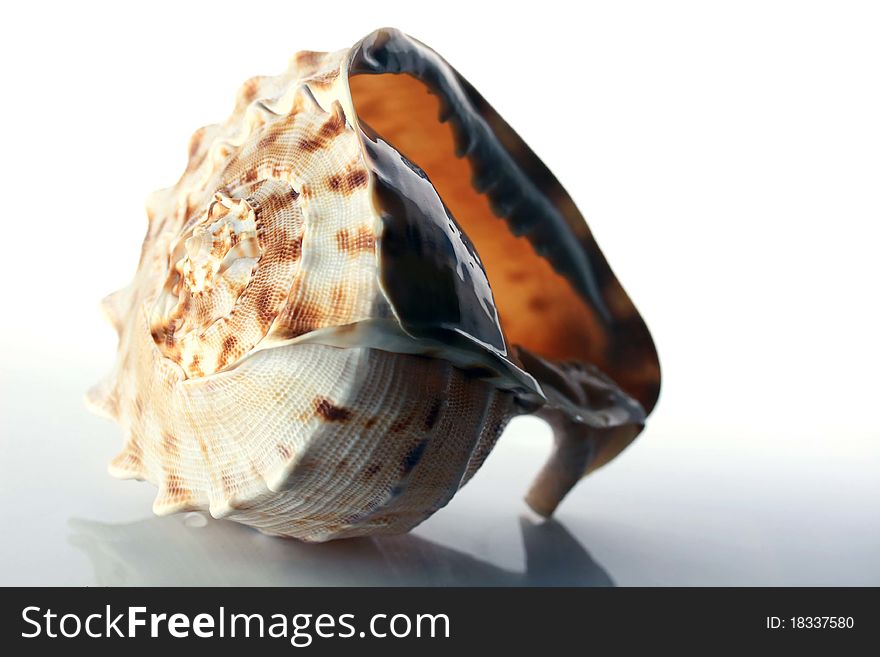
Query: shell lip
[[447, 343], [514, 185], [521, 190]]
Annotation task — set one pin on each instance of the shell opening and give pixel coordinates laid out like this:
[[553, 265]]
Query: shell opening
[[539, 309]]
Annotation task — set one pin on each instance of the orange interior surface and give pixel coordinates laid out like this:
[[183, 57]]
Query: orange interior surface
[[539, 309]]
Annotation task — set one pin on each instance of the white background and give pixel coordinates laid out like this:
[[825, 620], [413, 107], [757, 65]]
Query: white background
[[727, 157]]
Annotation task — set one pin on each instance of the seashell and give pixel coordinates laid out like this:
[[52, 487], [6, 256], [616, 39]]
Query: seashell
[[360, 278]]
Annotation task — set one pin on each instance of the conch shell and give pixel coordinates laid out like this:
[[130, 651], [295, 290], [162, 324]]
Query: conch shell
[[360, 278]]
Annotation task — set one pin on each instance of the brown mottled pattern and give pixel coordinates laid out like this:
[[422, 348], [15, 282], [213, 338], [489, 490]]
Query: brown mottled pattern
[[372, 470], [327, 410], [296, 248], [346, 183], [310, 144], [333, 126], [231, 345], [195, 366], [405, 420], [169, 443], [175, 487], [363, 240], [229, 320], [433, 414], [300, 318], [338, 297]]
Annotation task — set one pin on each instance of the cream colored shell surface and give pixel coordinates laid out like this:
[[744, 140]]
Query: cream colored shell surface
[[269, 235]]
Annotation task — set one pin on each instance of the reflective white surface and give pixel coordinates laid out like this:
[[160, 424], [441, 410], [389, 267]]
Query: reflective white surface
[[675, 508], [726, 159]]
